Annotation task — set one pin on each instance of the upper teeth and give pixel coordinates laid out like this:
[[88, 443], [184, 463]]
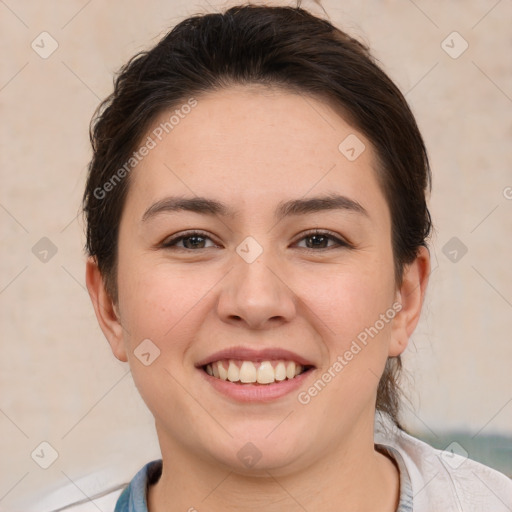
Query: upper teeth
[[265, 372]]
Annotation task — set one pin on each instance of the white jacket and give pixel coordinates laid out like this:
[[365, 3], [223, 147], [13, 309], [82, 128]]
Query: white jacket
[[443, 481]]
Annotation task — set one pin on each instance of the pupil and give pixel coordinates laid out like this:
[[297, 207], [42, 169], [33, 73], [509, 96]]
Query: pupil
[[189, 245], [317, 238]]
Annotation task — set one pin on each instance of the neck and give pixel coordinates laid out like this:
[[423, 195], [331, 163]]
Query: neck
[[352, 476]]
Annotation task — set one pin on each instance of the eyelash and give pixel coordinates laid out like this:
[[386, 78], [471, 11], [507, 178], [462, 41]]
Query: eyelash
[[171, 242]]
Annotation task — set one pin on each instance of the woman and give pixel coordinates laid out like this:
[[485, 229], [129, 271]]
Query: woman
[[257, 235]]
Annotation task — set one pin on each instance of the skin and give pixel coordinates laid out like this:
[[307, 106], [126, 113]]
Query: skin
[[252, 148]]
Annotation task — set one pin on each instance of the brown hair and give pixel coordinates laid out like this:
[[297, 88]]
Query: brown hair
[[277, 46]]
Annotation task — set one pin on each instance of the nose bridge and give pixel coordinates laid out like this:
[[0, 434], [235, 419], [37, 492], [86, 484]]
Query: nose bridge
[[255, 292]]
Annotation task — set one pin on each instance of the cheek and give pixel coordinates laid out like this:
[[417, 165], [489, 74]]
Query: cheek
[[162, 305], [356, 339], [157, 298], [348, 299]]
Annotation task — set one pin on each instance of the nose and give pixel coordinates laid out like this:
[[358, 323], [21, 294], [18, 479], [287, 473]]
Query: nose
[[256, 295]]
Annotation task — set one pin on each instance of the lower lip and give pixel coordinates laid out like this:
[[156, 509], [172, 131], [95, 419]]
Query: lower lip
[[256, 392]]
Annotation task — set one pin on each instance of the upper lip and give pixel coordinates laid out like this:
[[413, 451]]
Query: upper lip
[[250, 354]]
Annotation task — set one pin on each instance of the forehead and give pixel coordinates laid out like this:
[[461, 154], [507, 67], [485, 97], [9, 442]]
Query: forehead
[[255, 143]]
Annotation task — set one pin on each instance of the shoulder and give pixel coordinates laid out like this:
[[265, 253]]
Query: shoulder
[[133, 498], [98, 489], [443, 480], [106, 501], [123, 498]]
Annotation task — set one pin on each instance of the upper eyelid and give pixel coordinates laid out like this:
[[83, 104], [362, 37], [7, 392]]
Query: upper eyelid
[[186, 234]]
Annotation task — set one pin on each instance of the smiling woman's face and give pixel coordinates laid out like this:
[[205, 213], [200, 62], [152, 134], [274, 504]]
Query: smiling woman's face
[[254, 150]]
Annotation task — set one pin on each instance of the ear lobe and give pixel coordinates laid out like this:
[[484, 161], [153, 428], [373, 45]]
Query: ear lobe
[[105, 309], [411, 295]]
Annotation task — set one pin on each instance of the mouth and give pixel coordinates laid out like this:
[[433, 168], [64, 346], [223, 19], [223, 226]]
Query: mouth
[[256, 373], [246, 375]]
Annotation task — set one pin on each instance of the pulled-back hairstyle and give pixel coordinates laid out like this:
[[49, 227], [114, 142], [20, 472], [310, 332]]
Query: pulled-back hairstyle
[[285, 47]]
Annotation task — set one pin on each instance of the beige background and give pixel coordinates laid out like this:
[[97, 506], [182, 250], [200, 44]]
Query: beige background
[[59, 382]]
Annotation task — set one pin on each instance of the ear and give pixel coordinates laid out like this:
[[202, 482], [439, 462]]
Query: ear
[[410, 295], [105, 309]]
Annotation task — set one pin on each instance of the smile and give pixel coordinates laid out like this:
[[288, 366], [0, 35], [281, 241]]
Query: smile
[[250, 372]]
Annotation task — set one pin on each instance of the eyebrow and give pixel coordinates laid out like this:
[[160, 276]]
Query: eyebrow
[[206, 206]]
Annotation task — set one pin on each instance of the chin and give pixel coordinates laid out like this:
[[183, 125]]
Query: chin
[[255, 452]]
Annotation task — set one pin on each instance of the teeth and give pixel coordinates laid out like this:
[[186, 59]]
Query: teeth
[[266, 373], [248, 372], [233, 372], [223, 374], [280, 371]]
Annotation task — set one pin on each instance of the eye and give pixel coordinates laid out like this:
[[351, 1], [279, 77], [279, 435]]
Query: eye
[[314, 240], [318, 239], [190, 240]]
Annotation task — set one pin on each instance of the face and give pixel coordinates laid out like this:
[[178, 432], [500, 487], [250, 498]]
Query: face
[[271, 271]]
